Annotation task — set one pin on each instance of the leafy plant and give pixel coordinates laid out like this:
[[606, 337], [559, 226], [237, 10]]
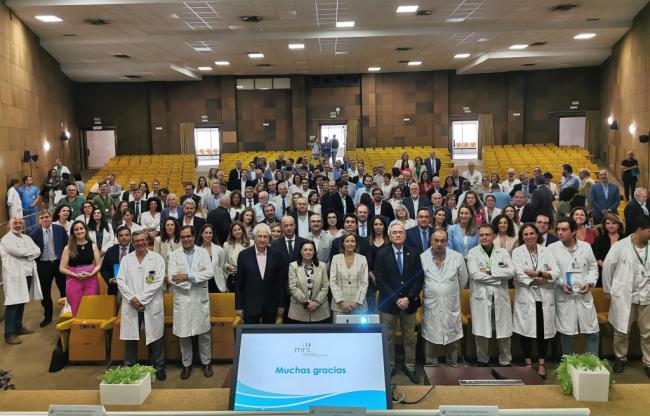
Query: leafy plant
[[587, 361], [127, 375]]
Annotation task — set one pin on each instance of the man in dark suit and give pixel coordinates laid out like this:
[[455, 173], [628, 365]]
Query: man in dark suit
[[189, 209], [419, 237], [127, 194], [380, 207], [114, 256], [542, 222], [435, 188], [248, 199], [350, 225], [289, 244], [399, 277], [220, 220], [138, 205], [234, 177], [189, 193], [436, 202], [433, 165], [542, 199], [261, 282], [341, 202], [414, 201], [259, 178], [51, 239], [636, 209], [458, 180]]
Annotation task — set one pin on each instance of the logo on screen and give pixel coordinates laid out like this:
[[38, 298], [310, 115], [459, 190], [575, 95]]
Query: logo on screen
[[305, 347]]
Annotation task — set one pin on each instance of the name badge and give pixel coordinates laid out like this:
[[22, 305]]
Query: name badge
[[150, 277]]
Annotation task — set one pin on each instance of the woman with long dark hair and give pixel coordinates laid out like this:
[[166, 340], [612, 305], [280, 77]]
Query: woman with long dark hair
[[100, 232], [218, 257]]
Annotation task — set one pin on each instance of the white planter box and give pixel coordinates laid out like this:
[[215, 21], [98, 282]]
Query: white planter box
[[125, 394], [590, 386]]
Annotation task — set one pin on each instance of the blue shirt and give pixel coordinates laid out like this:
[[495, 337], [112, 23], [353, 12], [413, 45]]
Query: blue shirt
[[190, 256], [501, 199], [570, 181], [28, 196]]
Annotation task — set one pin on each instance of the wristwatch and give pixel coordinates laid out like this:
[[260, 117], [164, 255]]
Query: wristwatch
[[540, 274]]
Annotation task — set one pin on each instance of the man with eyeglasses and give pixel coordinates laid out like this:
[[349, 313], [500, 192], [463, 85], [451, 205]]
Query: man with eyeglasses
[[73, 201], [543, 223], [322, 239], [510, 182]]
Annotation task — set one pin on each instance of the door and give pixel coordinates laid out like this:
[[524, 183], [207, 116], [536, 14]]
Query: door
[[99, 146], [338, 131], [572, 131], [464, 136], [207, 145]]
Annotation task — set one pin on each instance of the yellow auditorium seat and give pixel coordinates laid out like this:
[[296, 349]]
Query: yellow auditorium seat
[[117, 345], [601, 302], [223, 321], [465, 311], [84, 336], [172, 342]]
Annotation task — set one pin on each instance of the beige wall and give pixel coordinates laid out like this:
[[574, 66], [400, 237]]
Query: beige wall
[[35, 98], [626, 97]]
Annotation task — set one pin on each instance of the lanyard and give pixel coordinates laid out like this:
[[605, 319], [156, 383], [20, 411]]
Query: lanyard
[[488, 259], [534, 259], [645, 260]]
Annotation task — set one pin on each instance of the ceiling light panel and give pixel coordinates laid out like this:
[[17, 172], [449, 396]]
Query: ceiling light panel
[[255, 55], [344, 24], [200, 15], [406, 9], [584, 36], [296, 46], [48, 19], [221, 63], [518, 47]]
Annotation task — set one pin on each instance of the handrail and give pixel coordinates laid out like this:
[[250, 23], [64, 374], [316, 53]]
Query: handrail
[[3, 229]]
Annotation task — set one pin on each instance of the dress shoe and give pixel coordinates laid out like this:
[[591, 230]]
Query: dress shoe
[[24, 331], [618, 367], [207, 370], [647, 371], [413, 376], [185, 373], [45, 322], [13, 340], [161, 375]]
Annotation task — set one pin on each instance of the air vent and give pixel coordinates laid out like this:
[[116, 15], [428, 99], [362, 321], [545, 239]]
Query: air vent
[[528, 65], [402, 62], [593, 19], [563, 7], [250, 19], [537, 44], [121, 56], [97, 22], [132, 76], [69, 35], [264, 65], [423, 13], [403, 49]]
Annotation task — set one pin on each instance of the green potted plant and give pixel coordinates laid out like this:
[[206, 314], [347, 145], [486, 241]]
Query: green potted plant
[[585, 376], [126, 385]]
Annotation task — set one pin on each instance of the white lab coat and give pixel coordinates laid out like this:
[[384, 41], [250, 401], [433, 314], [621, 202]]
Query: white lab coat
[[191, 301], [619, 269], [132, 281], [14, 203], [108, 238], [18, 255], [490, 291], [575, 313], [218, 263], [524, 317], [441, 320]]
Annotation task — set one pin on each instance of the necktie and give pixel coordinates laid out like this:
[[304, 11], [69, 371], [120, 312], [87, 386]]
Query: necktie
[[400, 266], [363, 230], [284, 206], [122, 254], [290, 244], [645, 209], [137, 211], [46, 243], [425, 240]]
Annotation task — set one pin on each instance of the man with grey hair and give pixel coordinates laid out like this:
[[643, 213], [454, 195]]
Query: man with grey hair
[[72, 200], [322, 239], [114, 189], [399, 278], [171, 210], [414, 201], [604, 197], [301, 217], [261, 282], [262, 201], [636, 209], [212, 201], [586, 182], [190, 218], [220, 219], [472, 175]]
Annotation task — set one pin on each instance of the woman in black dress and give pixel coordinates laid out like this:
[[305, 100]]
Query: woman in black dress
[[630, 169], [377, 238], [611, 232]]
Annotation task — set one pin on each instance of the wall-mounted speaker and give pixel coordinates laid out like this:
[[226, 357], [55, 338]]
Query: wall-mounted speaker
[[644, 138], [26, 156]]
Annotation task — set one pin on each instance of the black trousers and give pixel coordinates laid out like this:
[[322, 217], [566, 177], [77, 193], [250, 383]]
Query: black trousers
[[156, 350], [14, 315], [629, 186], [48, 271], [260, 319], [527, 343]]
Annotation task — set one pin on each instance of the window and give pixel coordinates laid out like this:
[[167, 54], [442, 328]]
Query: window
[[206, 145], [465, 139]]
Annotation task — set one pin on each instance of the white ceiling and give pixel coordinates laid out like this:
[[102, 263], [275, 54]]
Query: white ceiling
[[159, 35]]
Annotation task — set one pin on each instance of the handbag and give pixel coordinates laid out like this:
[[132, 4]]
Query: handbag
[[230, 281]]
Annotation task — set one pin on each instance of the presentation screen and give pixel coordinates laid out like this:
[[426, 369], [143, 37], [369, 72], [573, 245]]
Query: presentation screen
[[293, 367]]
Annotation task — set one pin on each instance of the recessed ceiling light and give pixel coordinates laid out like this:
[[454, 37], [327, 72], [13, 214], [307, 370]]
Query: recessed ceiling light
[[483, 40], [583, 36], [455, 20], [518, 46], [296, 46], [345, 24], [49, 19], [221, 63], [374, 69], [203, 49], [462, 55], [255, 55], [406, 9], [340, 53], [414, 63], [205, 68]]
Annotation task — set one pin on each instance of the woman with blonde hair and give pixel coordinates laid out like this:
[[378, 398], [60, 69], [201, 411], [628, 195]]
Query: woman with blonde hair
[[402, 215]]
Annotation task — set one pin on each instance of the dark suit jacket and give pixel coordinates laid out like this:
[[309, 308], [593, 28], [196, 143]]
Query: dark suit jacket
[[434, 170], [234, 180], [280, 245], [364, 249], [254, 294], [143, 208], [520, 186], [448, 215], [164, 214], [541, 202], [441, 191], [408, 203], [386, 211], [255, 181], [336, 204], [195, 197], [414, 238], [392, 285], [220, 220], [111, 258], [60, 238], [550, 239], [633, 211], [461, 179]]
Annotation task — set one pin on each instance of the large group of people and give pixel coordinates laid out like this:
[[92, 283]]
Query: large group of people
[[306, 240]]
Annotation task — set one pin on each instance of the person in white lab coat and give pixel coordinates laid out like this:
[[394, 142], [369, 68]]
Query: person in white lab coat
[[490, 268], [445, 276], [626, 277], [14, 203], [217, 256], [140, 281], [20, 278], [537, 274], [190, 269], [575, 309]]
